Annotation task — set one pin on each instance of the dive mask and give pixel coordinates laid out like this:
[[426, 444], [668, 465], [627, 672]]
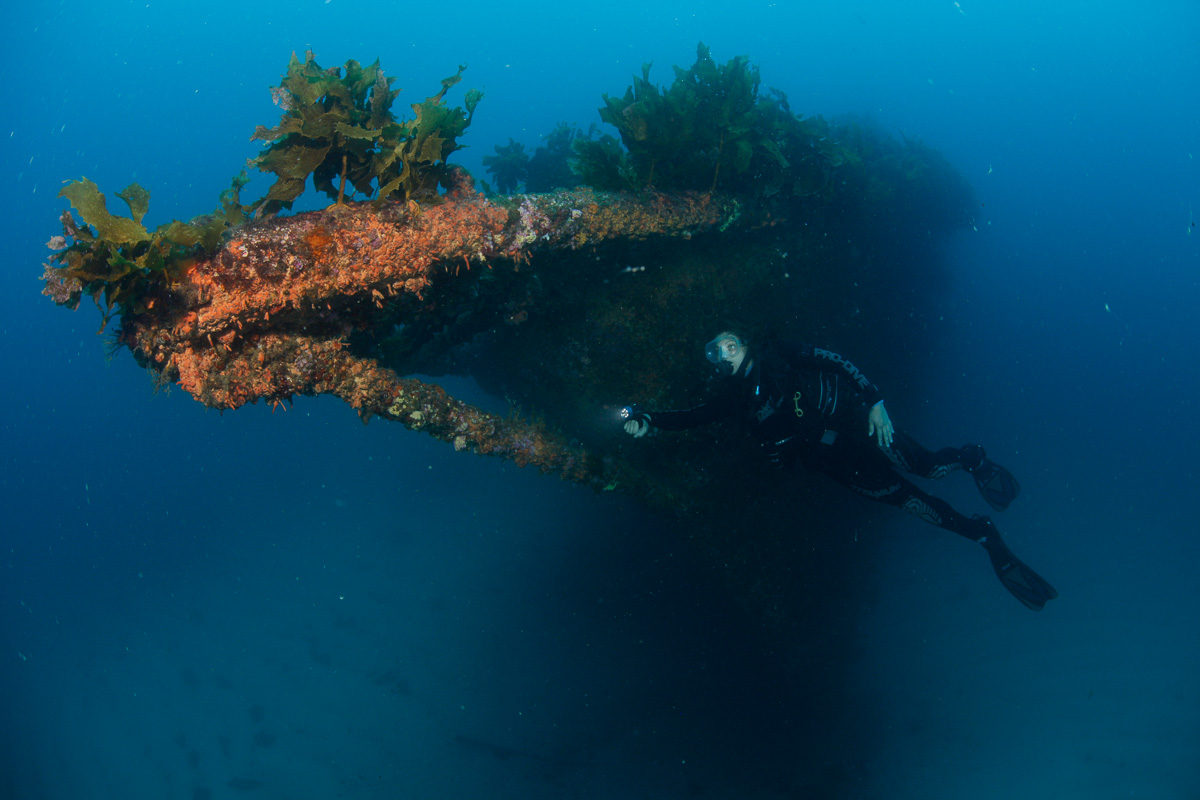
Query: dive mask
[[724, 351]]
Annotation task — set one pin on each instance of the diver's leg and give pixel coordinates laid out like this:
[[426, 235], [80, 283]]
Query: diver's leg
[[868, 470], [1015, 575], [909, 455], [996, 484], [934, 510], [860, 467]]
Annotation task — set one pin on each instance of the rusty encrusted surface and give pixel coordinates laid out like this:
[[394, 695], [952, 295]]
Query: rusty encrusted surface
[[269, 315]]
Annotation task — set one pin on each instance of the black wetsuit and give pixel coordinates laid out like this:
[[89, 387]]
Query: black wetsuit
[[812, 405]]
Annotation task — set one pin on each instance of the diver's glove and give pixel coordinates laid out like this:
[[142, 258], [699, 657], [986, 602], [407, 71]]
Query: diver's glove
[[879, 425], [780, 453], [637, 421]]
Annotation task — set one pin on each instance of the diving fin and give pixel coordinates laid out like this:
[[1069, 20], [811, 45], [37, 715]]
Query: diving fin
[[1022, 582], [995, 483]]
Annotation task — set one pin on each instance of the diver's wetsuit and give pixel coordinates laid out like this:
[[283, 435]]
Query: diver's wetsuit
[[811, 404]]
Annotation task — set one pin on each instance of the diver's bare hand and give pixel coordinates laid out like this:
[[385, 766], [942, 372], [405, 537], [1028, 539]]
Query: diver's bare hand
[[880, 425]]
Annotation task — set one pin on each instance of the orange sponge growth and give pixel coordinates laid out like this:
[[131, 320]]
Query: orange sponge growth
[[269, 315]]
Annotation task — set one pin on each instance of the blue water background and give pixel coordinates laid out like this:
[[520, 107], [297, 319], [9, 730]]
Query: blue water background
[[200, 605]]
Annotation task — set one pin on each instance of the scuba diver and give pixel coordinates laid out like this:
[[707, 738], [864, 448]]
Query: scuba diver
[[814, 406]]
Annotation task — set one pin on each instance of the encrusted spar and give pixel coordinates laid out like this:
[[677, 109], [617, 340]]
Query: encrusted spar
[[267, 315], [344, 261]]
